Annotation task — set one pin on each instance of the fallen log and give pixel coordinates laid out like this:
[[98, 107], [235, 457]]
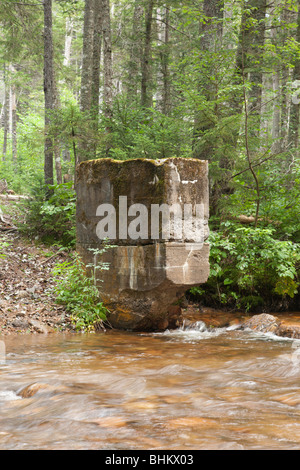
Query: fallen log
[[13, 197]]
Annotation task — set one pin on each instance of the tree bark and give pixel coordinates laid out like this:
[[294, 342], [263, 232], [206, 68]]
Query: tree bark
[[107, 62], [136, 53], [13, 102], [5, 116], [146, 96], [48, 91], [98, 20], [87, 57], [295, 102], [164, 95]]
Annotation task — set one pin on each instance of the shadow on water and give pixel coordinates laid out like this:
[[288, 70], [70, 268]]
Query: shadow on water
[[184, 389]]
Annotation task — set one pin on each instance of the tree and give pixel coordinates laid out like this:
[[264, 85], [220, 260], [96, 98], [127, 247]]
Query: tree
[[48, 90], [146, 96]]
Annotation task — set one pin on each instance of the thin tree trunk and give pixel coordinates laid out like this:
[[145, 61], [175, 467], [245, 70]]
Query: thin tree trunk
[[98, 20], [87, 57], [276, 120], [56, 142], [164, 97], [107, 60], [146, 96], [85, 145], [14, 123], [68, 41], [136, 53], [295, 104], [48, 90], [107, 72], [5, 116]]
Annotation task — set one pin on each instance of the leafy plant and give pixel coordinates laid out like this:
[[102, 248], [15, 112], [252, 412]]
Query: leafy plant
[[52, 219], [250, 269], [76, 290]]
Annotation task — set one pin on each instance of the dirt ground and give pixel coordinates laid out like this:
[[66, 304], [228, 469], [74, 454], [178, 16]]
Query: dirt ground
[[27, 300]]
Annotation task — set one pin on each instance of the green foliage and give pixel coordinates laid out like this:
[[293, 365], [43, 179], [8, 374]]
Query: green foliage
[[51, 219], [140, 133], [251, 269], [76, 290]]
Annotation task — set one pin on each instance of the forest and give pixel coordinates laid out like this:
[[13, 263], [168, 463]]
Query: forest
[[124, 79]]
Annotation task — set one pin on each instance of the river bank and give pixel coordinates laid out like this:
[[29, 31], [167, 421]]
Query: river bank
[[27, 301]]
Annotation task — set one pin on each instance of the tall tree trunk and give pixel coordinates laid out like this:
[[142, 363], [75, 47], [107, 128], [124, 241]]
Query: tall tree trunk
[[98, 20], [108, 71], [107, 60], [56, 142], [287, 18], [163, 26], [68, 41], [5, 116], [85, 144], [136, 53], [87, 57], [146, 96], [14, 123], [295, 104], [48, 90]]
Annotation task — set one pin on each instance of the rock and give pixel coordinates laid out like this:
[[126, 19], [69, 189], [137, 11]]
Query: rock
[[40, 327], [264, 323], [155, 259], [31, 389], [289, 331], [20, 323]]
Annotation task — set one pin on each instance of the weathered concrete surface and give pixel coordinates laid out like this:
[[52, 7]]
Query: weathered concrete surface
[[148, 275]]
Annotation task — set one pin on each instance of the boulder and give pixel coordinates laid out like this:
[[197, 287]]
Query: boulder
[[265, 323], [154, 214]]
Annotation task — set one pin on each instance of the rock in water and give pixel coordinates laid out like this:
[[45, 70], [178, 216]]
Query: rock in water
[[155, 213], [263, 323]]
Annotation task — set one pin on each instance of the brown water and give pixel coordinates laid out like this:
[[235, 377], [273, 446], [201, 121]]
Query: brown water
[[182, 390]]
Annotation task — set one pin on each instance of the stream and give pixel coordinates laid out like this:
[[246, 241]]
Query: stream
[[221, 389]]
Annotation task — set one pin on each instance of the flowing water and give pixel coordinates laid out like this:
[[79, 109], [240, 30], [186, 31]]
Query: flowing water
[[184, 390]]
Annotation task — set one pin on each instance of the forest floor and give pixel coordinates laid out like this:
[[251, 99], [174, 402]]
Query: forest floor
[[27, 299]]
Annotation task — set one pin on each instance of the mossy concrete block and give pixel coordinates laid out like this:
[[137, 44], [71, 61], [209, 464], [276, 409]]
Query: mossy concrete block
[[155, 258]]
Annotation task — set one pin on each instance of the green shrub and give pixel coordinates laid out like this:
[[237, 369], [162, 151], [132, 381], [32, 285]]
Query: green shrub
[[250, 269], [51, 219], [76, 290]]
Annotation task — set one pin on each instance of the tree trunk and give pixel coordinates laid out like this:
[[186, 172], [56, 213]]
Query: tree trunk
[[136, 53], [68, 42], [14, 123], [163, 97], [87, 57], [48, 90], [98, 20], [5, 116], [107, 62], [295, 104], [146, 96]]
